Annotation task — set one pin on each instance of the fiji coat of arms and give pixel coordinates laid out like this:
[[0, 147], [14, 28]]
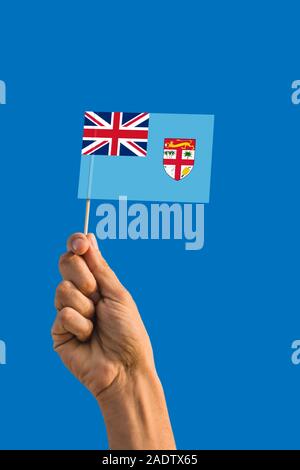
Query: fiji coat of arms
[[179, 157]]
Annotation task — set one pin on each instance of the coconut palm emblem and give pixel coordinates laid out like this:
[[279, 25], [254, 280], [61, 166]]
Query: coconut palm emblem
[[179, 157]]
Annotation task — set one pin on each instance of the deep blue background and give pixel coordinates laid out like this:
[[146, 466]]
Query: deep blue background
[[222, 319]]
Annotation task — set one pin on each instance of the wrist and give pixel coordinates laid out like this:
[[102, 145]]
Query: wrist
[[135, 412]]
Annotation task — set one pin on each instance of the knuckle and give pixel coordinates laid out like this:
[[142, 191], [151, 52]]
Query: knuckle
[[123, 294], [67, 286], [68, 259], [88, 286], [63, 260], [64, 288], [66, 315], [88, 328], [88, 310], [63, 294], [86, 331]]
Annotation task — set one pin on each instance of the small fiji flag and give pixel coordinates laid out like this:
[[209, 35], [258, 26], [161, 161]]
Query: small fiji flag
[[146, 156]]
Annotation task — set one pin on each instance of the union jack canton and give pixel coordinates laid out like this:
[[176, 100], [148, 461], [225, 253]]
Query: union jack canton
[[115, 134]]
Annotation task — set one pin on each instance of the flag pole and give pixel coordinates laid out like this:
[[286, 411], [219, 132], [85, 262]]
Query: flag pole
[[89, 194], [87, 216]]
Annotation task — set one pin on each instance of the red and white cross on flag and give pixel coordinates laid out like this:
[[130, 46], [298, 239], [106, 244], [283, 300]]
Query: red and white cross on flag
[[179, 157]]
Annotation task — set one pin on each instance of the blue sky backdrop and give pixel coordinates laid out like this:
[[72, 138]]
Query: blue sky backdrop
[[221, 319]]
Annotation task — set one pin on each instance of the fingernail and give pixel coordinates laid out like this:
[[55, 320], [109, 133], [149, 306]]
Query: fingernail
[[76, 244], [94, 241]]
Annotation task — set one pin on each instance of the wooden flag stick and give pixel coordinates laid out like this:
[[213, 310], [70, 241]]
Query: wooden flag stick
[[87, 216], [89, 193]]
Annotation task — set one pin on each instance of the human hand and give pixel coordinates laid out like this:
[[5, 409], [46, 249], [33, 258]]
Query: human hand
[[98, 332], [100, 337]]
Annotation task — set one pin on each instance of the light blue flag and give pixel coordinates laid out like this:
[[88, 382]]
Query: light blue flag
[[146, 157]]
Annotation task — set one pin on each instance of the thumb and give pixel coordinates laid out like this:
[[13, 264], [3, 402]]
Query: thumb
[[78, 243], [108, 283]]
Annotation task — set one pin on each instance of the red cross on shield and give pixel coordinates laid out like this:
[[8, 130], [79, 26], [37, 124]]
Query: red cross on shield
[[179, 157]]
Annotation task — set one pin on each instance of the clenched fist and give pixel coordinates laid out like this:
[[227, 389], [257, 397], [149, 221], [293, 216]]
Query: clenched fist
[[100, 337]]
